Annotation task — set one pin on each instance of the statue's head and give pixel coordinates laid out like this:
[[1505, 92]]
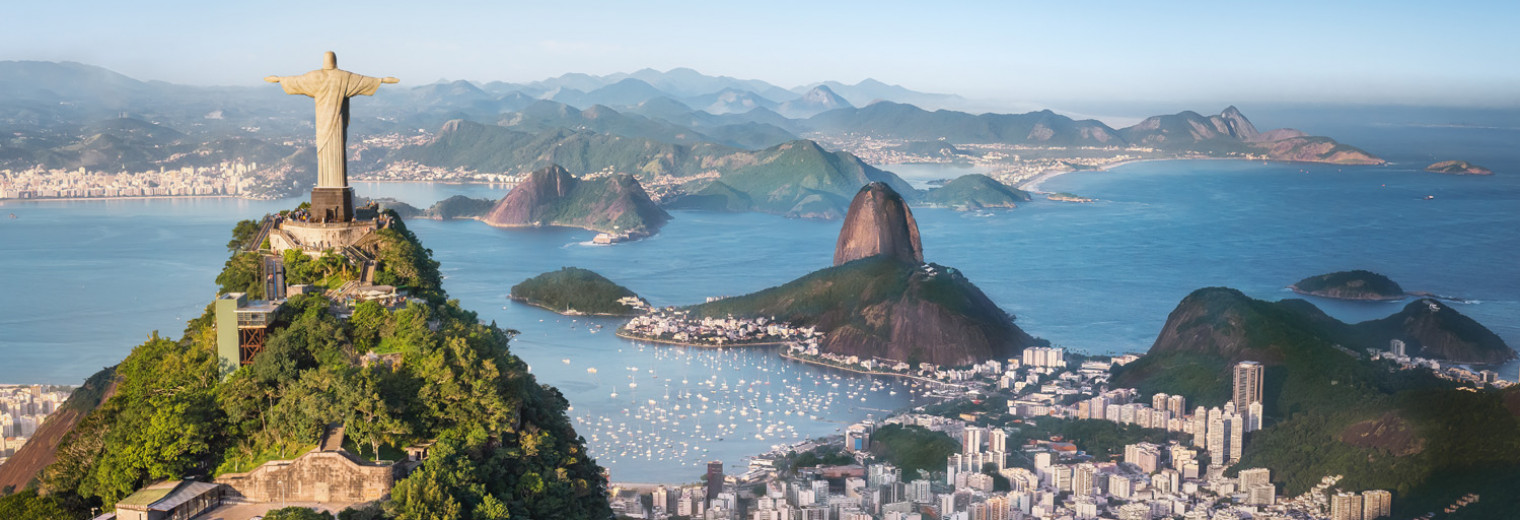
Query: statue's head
[[330, 61]]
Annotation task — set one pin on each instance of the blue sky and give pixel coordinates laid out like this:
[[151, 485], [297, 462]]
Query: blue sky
[[1445, 53]]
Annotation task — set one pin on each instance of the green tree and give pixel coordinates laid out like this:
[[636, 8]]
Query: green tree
[[371, 418], [244, 273], [429, 493], [28, 505], [297, 513], [368, 324], [492, 509], [165, 393], [242, 233]]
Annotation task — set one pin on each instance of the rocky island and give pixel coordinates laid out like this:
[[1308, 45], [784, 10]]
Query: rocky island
[[576, 291], [1062, 196], [615, 205], [1458, 168], [975, 191], [1350, 285], [881, 301]]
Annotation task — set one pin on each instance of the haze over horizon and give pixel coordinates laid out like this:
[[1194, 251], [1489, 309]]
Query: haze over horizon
[[1202, 53]]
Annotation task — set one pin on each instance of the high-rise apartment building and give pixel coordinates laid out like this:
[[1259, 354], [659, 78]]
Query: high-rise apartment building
[[1345, 506], [714, 478], [1248, 378], [972, 441], [1376, 503], [997, 440]]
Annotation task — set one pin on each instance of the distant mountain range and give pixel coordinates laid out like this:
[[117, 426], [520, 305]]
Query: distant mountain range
[[46, 94], [727, 143]]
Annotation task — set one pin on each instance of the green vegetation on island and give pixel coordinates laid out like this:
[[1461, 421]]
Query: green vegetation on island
[[975, 191], [1350, 285], [502, 443], [572, 290], [1458, 168], [1330, 410]]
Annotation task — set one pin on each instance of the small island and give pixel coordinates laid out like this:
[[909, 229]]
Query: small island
[[1356, 285], [576, 291], [456, 207], [975, 191], [459, 207], [1062, 196], [1458, 168]]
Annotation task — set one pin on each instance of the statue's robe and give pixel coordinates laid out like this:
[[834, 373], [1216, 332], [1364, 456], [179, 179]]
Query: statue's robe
[[331, 89]]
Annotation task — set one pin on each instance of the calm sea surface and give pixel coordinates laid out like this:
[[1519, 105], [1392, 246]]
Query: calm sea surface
[[83, 282]]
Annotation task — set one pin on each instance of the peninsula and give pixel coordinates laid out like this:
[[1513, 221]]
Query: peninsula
[[880, 300]]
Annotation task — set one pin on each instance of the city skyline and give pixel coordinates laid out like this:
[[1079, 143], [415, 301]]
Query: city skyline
[[1007, 53]]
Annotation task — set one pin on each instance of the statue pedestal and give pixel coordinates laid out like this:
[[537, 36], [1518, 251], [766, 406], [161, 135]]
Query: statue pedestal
[[332, 204]]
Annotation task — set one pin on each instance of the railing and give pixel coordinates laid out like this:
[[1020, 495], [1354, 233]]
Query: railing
[[258, 238]]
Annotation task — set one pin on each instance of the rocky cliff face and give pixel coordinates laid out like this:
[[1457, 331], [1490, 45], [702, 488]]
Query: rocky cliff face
[[530, 200], [879, 223], [553, 197], [1233, 123]]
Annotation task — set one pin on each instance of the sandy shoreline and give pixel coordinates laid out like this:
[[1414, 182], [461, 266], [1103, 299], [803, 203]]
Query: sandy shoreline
[[1033, 184]]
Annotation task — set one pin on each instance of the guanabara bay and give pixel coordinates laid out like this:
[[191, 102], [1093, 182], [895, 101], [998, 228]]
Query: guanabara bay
[[765, 261]]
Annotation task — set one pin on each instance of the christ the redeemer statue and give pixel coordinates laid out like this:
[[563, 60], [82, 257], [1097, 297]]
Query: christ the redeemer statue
[[331, 200]]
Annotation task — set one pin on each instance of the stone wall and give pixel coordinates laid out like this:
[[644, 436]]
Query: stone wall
[[317, 476], [314, 237]]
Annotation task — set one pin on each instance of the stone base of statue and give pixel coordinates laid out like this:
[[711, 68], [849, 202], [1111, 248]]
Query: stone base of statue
[[332, 204]]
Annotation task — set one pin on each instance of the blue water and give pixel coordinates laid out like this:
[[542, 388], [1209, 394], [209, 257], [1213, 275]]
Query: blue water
[[85, 281]]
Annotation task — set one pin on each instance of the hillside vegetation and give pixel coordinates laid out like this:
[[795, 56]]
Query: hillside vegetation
[[1331, 410], [503, 442]]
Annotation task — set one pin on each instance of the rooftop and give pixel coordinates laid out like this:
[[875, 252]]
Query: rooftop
[[165, 496]]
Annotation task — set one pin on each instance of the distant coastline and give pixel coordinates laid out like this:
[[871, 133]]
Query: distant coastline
[[1033, 184], [74, 199]]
